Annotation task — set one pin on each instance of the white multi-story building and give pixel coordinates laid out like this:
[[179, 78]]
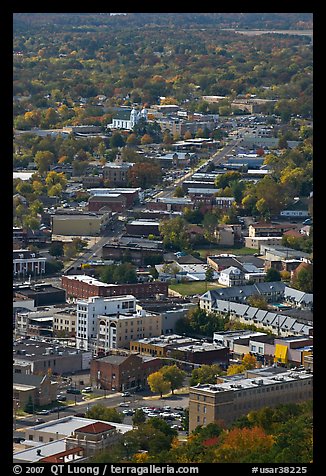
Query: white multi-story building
[[27, 263], [231, 276], [89, 309]]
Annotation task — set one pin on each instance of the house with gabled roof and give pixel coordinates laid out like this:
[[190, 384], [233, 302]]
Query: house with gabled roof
[[93, 437], [231, 276], [39, 389]]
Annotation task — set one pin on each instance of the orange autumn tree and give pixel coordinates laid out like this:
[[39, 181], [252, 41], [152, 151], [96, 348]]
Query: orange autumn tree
[[243, 445], [248, 362]]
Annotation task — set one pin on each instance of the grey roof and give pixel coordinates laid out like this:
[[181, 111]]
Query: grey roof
[[269, 318], [242, 292], [27, 379], [242, 341], [230, 270], [250, 312], [188, 259], [114, 359], [298, 296], [275, 286], [238, 308], [34, 454], [300, 315], [122, 114], [285, 252], [288, 323], [260, 315]]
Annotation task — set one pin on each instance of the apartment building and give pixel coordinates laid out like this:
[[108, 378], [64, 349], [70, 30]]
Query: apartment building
[[111, 323], [89, 309], [64, 323], [235, 396], [119, 330]]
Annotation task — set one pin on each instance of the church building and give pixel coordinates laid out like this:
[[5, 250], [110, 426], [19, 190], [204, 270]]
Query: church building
[[127, 118]]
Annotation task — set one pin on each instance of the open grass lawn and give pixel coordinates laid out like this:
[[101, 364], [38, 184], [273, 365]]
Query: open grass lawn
[[195, 287], [234, 251]]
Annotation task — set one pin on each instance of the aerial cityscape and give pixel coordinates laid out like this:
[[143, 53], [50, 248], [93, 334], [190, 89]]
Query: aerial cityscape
[[162, 238]]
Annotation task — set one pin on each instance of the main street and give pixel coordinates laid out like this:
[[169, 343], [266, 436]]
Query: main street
[[216, 159]]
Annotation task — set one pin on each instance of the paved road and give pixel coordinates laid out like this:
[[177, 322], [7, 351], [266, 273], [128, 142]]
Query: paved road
[[217, 158], [111, 400]]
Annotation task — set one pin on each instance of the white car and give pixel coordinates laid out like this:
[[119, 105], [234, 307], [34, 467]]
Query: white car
[[87, 390]]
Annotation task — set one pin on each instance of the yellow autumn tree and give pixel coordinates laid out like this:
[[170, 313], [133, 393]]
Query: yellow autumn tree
[[158, 384]]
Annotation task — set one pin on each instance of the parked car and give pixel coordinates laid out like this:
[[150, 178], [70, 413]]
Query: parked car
[[87, 389], [73, 390], [18, 439], [38, 421], [126, 394], [61, 398], [43, 412], [123, 404], [177, 427]]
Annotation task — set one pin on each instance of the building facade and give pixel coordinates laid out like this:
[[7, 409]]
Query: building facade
[[118, 331], [26, 263], [89, 309], [229, 399], [83, 287], [122, 372], [81, 224]]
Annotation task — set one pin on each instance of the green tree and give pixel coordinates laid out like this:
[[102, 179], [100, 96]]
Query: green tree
[[205, 374], [209, 275], [56, 249], [101, 412], [138, 417], [256, 300], [174, 233], [173, 375], [53, 266], [178, 192], [272, 275], [43, 160], [29, 407], [116, 140], [303, 279]]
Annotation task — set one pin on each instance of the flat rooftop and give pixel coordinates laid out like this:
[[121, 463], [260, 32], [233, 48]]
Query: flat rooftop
[[88, 280], [67, 425], [243, 383]]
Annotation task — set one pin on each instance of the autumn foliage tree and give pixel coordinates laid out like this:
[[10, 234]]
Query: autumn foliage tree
[[248, 362], [144, 175], [158, 384], [243, 445]]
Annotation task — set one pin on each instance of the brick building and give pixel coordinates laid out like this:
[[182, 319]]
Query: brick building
[[122, 372], [138, 255], [116, 202], [82, 286]]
